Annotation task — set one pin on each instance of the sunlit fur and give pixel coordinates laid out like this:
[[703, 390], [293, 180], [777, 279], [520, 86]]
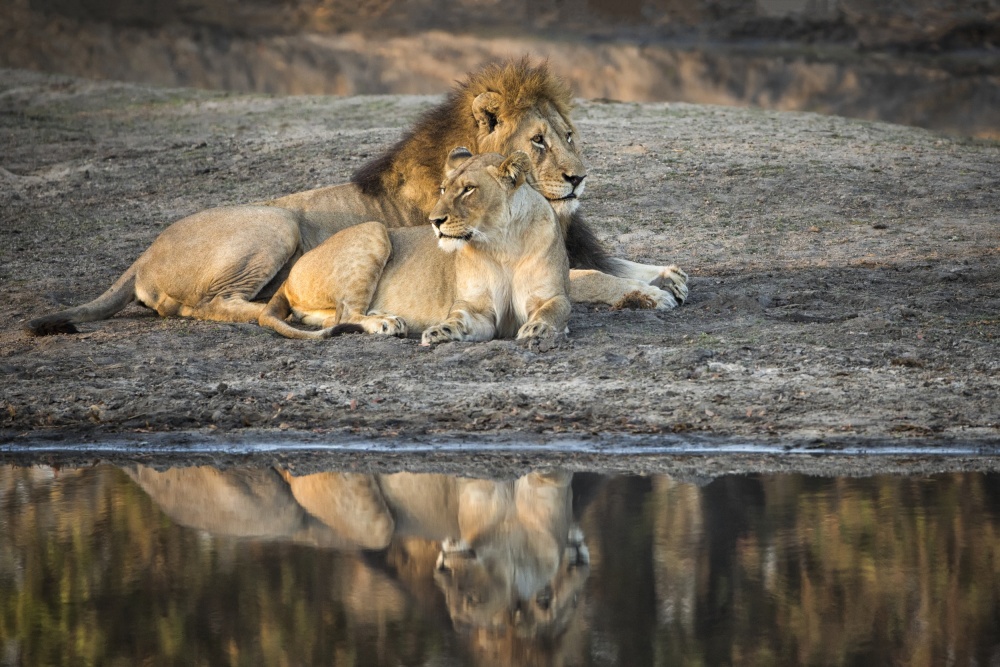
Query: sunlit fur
[[509, 278], [507, 555], [221, 264], [524, 99]]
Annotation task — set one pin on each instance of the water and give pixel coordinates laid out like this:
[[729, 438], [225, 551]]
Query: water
[[196, 566]]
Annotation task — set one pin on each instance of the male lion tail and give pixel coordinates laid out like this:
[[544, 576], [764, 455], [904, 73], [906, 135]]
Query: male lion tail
[[278, 309], [119, 295]]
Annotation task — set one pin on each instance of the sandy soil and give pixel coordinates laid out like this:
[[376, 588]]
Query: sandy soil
[[845, 284]]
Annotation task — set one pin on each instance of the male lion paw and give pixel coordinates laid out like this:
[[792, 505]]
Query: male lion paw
[[643, 296], [441, 333], [674, 280]]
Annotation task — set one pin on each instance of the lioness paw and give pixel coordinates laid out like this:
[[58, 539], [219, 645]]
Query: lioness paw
[[643, 296], [440, 333], [674, 280], [535, 329]]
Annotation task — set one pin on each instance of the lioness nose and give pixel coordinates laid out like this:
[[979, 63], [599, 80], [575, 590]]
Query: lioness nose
[[437, 222], [573, 179]]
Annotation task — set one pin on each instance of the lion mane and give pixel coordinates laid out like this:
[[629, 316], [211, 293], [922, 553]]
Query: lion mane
[[419, 154], [417, 157], [223, 264]]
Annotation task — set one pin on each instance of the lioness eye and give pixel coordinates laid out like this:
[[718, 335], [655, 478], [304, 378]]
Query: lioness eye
[[442, 190], [468, 189], [569, 137]]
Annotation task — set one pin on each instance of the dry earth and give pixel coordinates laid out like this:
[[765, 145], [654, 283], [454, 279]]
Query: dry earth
[[845, 284]]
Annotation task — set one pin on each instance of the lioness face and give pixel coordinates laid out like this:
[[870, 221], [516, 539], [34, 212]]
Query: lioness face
[[500, 584], [477, 589], [473, 206], [549, 140]]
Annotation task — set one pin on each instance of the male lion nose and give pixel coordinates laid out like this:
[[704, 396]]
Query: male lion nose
[[437, 222], [574, 180]]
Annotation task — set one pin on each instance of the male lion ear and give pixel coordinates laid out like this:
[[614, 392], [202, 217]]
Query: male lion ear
[[484, 109], [515, 169], [455, 159]]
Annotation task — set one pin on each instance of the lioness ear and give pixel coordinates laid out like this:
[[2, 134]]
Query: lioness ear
[[515, 169], [484, 109], [455, 159]]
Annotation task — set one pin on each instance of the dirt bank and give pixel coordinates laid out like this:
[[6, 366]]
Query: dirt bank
[[931, 64], [948, 92], [845, 281]]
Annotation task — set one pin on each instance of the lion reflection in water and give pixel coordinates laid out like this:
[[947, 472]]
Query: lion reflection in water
[[506, 554]]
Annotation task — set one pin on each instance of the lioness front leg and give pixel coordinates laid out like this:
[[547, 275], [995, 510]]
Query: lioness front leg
[[589, 286], [461, 325], [548, 319]]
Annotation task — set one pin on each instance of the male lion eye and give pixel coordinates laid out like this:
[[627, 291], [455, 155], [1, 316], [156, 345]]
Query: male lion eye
[[537, 139], [468, 189], [442, 190], [569, 137]]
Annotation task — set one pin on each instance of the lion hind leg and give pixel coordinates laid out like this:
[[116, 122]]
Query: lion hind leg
[[223, 309], [324, 317], [350, 504], [213, 264], [340, 321], [381, 323], [275, 315], [588, 286], [333, 285], [354, 260]]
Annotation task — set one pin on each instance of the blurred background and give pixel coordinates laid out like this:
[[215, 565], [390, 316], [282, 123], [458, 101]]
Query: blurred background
[[929, 63]]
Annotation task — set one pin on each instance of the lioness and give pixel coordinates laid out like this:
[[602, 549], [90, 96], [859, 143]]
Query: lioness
[[510, 554], [507, 554], [500, 266], [224, 263]]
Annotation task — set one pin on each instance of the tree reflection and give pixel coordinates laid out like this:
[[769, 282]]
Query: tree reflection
[[199, 566], [253, 566], [803, 570]]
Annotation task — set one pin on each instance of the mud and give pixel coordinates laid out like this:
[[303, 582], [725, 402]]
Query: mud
[[845, 286]]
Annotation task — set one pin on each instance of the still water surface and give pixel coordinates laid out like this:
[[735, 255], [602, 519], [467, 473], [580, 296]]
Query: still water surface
[[196, 566]]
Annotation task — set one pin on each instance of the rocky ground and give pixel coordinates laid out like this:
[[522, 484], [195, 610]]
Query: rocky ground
[[845, 285]]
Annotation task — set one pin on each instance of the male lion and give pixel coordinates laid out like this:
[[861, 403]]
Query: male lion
[[500, 267], [507, 554], [224, 263]]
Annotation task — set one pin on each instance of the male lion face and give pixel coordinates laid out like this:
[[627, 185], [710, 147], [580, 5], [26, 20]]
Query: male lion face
[[473, 206], [549, 140]]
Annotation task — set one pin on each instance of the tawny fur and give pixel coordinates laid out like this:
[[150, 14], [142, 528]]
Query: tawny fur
[[416, 159], [223, 264], [500, 268]]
